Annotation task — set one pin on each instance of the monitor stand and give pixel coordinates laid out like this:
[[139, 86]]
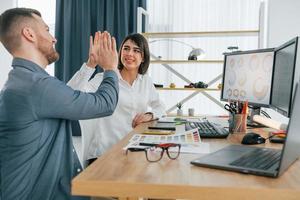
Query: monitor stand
[[250, 123]]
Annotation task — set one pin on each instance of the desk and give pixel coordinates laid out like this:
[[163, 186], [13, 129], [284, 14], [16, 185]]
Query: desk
[[117, 175]]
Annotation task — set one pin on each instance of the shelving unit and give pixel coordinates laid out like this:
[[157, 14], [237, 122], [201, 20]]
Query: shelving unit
[[200, 34], [167, 63]]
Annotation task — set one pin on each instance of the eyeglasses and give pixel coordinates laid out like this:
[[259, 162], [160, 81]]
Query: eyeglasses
[[155, 152]]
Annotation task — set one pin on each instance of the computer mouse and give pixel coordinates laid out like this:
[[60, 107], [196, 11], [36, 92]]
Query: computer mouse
[[253, 138]]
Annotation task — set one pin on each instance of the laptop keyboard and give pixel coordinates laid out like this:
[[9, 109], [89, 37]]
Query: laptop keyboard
[[258, 159], [208, 129]]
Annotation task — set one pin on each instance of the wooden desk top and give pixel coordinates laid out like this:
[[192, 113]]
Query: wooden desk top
[[117, 175]]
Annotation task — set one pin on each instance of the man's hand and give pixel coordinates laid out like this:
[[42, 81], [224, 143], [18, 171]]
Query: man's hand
[[141, 118], [94, 50], [107, 54]]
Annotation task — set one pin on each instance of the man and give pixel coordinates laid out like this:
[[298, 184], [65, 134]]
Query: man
[[36, 160]]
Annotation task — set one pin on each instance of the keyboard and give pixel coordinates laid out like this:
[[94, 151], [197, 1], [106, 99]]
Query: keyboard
[[207, 129], [258, 159]]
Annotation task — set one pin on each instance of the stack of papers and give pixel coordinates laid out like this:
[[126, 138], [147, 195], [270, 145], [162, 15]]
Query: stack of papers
[[181, 119], [190, 141]]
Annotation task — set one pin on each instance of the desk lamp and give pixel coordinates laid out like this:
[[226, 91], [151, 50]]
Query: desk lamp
[[194, 54]]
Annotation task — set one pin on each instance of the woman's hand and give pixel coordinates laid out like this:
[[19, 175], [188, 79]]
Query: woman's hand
[[141, 118], [103, 51]]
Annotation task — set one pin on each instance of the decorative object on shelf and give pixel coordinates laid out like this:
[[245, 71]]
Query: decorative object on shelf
[[179, 110], [172, 85], [158, 85], [191, 112], [220, 86], [195, 53], [199, 84], [191, 85], [233, 48]]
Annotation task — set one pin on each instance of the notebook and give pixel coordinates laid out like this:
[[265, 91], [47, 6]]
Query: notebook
[[171, 126], [259, 161]]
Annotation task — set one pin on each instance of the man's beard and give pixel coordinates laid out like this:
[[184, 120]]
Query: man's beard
[[48, 51]]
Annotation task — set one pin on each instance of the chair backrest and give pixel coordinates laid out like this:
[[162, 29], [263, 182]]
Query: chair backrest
[[76, 130]]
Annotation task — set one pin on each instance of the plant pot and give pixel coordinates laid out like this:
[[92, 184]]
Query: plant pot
[[179, 112]]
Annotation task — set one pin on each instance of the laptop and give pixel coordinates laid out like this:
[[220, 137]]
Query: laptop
[[259, 161]]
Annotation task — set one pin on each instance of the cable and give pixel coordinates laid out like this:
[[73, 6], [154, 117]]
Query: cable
[[265, 114]]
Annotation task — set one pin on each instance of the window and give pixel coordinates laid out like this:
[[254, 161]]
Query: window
[[198, 16]]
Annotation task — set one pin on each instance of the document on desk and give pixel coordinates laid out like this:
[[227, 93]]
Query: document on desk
[[190, 141], [181, 119]]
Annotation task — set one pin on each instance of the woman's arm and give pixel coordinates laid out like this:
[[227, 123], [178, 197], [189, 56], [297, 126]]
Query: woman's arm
[[81, 78], [158, 108]]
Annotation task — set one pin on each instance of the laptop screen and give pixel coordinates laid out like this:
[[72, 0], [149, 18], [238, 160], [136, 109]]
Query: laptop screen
[[291, 150]]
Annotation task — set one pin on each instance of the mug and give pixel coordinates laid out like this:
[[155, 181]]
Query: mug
[[237, 123], [191, 112]]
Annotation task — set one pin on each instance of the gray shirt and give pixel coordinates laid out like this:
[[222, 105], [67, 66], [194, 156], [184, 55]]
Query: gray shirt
[[36, 151]]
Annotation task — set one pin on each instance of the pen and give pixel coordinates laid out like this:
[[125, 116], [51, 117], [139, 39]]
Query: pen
[[151, 120], [155, 119], [147, 144], [282, 135]]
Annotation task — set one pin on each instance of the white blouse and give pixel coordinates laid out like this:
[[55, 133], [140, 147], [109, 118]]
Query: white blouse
[[98, 135]]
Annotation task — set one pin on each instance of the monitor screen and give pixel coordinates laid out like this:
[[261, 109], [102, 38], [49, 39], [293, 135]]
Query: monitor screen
[[247, 76], [283, 77]]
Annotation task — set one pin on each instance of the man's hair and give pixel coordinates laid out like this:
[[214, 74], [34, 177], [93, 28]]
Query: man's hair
[[11, 25], [142, 43]]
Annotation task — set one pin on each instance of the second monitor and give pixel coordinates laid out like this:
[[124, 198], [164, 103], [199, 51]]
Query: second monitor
[[284, 77], [247, 76]]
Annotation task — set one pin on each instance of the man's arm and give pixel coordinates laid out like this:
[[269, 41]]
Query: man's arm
[[80, 80], [56, 100]]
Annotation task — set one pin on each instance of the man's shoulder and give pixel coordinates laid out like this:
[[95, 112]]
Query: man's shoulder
[[27, 82]]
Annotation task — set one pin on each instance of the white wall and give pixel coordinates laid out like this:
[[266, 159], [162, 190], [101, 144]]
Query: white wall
[[283, 21], [283, 24], [5, 57]]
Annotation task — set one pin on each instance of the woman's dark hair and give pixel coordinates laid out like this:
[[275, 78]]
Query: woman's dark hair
[[142, 43]]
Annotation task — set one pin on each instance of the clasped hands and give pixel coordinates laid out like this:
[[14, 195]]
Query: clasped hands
[[141, 118], [103, 51]]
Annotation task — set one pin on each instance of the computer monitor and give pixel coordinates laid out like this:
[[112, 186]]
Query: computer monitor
[[284, 80], [247, 76]]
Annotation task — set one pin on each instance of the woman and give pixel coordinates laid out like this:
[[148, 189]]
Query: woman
[[137, 97]]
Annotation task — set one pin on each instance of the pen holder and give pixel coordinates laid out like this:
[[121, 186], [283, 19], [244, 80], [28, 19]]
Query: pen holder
[[237, 123]]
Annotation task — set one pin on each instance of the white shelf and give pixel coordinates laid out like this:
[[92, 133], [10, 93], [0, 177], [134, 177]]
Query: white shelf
[[190, 89], [200, 34], [184, 61]]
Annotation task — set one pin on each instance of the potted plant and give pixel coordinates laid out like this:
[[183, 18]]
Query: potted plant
[[179, 110]]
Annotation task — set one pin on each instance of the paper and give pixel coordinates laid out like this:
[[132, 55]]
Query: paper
[[188, 137], [158, 132], [190, 141]]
